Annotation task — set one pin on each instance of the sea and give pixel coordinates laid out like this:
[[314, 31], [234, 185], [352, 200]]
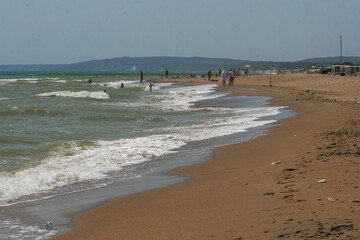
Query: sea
[[61, 135]]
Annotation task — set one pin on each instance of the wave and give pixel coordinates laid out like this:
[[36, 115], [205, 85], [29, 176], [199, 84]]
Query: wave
[[174, 98], [183, 98], [76, 161], [59, 81], [81, 94], [70, 162], [13, 80], [126, 118], [28, 110], [131, 84], [117, 84], [30, 80]]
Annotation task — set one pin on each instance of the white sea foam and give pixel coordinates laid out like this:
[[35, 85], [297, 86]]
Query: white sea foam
[[117, 84], [81, 94], [182, 98], [59, 81], [174, 98], [5, 81], [78, 163], [12, 80], [14, 230], [222, 126], [29, 79], [72, 162]]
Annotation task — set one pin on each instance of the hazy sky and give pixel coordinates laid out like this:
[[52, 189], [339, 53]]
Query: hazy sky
[[69, 31]]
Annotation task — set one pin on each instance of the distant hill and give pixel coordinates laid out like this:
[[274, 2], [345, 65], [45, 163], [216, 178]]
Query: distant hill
[[332, 60], [174, 64]]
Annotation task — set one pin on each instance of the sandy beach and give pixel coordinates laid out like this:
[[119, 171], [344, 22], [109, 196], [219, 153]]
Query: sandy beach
[[299, 181]]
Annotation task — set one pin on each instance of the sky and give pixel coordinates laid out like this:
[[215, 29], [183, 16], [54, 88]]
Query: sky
[[70, 31]]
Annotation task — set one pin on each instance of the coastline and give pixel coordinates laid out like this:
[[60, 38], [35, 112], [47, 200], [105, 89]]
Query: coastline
[[239, 194]]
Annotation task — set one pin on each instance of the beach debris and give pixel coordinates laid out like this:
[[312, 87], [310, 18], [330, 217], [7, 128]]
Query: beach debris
[[288, 196], [284, 235], [290, 169], [275, 163], [339, 227], [294, 135], [322, 181], [49, 224], [268, 193], [331, 199]]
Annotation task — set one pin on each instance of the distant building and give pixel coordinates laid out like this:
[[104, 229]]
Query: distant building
[[345, 70]]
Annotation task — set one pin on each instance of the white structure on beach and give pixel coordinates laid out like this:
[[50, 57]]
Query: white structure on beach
[[345, 69]]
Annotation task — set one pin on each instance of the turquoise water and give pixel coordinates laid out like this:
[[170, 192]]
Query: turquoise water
[[58, 131]]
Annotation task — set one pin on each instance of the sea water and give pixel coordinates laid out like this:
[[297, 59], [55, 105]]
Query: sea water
[[60, 134]]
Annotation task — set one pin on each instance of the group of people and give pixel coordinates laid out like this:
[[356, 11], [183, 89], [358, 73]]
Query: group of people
[[166, 74], [237, 72], [150, 84], [228, 76], [122, 85]]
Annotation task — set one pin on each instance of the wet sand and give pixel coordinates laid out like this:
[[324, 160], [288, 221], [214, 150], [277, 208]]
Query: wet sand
[[240, 194]]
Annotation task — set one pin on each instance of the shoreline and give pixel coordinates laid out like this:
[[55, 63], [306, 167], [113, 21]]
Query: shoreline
[[240, 195], [60, 208]]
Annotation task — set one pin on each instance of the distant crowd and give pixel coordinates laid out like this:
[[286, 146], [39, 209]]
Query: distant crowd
[[227, 77]]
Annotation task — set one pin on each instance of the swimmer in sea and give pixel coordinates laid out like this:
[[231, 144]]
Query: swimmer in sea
[[150, 86]]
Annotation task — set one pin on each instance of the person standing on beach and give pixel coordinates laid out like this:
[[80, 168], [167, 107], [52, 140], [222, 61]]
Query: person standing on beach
[[223, 77], [227, 77], [232, 76], [141, 78], [166, 73], [209, 75], [162, 75]]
